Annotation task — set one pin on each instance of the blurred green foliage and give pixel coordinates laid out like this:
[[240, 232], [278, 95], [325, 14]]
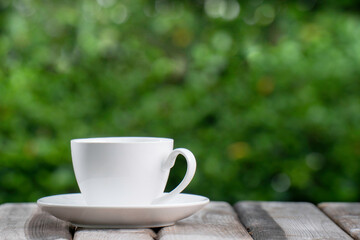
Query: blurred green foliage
[[265, 93]]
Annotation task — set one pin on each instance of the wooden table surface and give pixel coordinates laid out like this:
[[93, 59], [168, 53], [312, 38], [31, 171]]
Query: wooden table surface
[[218, 220]]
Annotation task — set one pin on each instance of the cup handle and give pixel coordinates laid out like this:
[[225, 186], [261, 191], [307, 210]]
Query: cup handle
[[190, 171]]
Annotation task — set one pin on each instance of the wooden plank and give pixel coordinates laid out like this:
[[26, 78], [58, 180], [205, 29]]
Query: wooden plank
[[27, 221], [217, 220], [346, 215], [114, 234], [285, 220]]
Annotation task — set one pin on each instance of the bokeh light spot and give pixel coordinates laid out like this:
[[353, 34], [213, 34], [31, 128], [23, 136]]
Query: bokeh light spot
[[215, 8], [281, 182], [119, 14], [232, 10], [106, 3], [315, 161], [238, 150], [222, 41], [264, 14], [227, 10]]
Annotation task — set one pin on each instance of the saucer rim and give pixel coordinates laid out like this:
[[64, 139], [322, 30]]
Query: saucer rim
[[202, 200]]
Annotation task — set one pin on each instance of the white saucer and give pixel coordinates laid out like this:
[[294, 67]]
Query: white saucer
[[72, 208]]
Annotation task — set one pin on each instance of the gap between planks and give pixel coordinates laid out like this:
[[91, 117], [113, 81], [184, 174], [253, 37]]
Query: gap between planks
[[346, 215], [287, 220], [25, 221], [217, 220]]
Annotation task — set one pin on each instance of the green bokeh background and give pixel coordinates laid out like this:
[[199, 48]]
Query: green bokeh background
[[266, 94]]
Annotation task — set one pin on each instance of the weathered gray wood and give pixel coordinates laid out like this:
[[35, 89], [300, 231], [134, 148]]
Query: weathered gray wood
[[217, 220], [346, 215], [285, 220], [114, 234], [27, 221]]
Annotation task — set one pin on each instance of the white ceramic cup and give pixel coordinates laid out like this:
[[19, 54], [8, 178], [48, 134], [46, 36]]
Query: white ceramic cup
[[115, 171]]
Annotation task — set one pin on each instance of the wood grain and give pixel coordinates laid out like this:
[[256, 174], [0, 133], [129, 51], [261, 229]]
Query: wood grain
[[346, 215], [217, 220], [285, 220], [27, 221], [114, 234]]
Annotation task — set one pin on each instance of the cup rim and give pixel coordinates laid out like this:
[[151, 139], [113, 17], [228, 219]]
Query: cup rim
[[123, 140]]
